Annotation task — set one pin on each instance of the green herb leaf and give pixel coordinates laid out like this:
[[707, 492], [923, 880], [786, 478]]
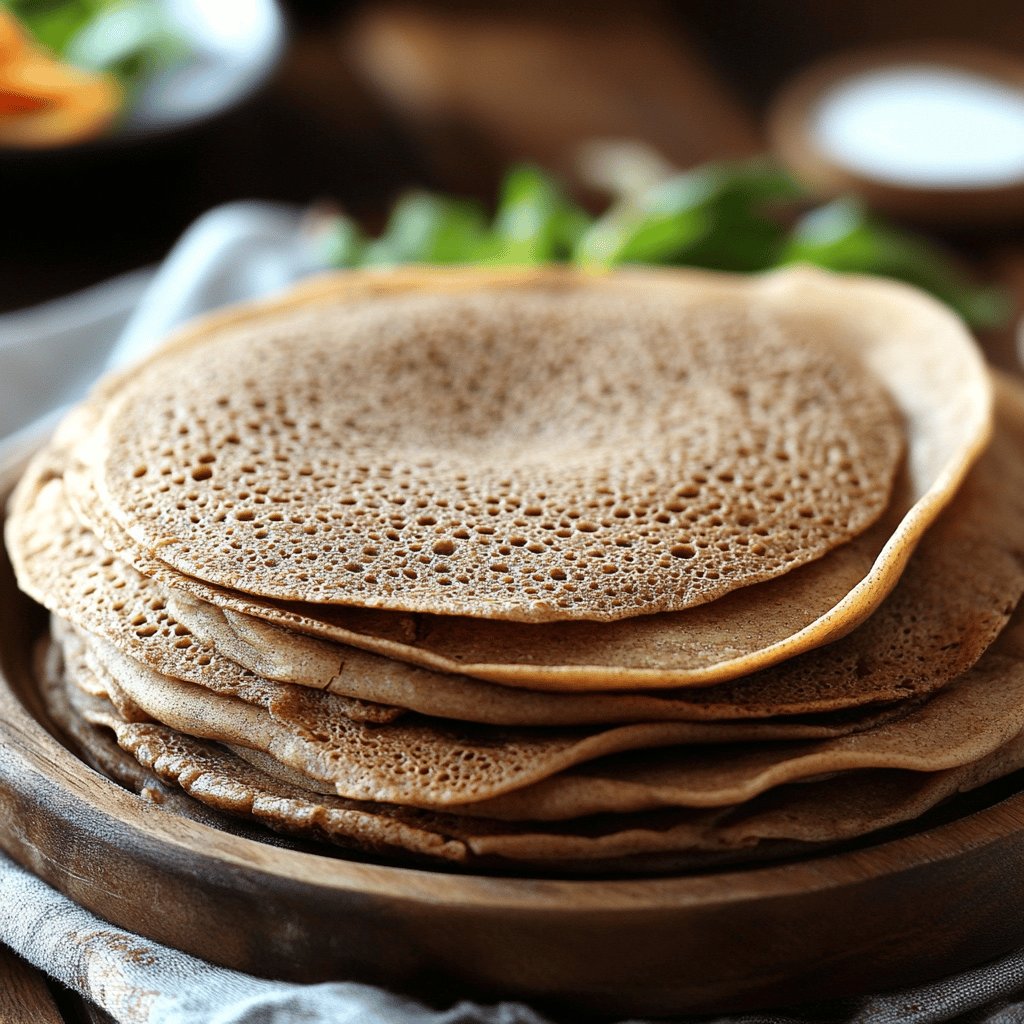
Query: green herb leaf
[[656, 226], [51, 22], [126, 38], [341, 243], [757, 183], [843, 236], [723, 216], [713, 216], [129, 39], [535, 221], [426, 228]]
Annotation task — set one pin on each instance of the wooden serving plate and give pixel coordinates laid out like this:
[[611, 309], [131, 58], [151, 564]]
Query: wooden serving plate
[[879, 916]]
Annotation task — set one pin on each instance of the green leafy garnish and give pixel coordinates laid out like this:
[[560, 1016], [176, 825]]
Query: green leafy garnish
[[53, 22], [426, 228], [657, 226], [742, 216], [535, 221], [843, 236], [130, 39], [341, 242]]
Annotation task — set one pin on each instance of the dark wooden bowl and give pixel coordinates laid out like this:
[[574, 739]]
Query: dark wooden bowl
[[879, 916], [789, 126]]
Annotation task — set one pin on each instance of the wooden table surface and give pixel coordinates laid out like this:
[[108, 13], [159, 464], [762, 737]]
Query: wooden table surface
[[24, 993], [28, 997], [346, 118]]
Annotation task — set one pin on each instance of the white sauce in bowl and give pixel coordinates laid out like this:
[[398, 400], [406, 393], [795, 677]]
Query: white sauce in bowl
[[924, 126]]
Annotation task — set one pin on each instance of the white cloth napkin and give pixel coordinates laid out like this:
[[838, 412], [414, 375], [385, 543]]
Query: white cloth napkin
[[48, 358]]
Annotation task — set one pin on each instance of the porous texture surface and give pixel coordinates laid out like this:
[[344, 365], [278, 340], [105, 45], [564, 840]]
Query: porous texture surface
[[75, 709], [417, 761], [428, 764], [353, 672], [763, 621], [968, 598], [944, 613], [968, 721], [930, 367], [89, 721], [813, 813], [541, 452], [808, 815], [61, 565]]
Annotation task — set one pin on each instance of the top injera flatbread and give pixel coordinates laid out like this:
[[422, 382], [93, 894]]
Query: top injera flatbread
[[750, 628], [960, 586], [706, 641], [564, 447], [944, 613]]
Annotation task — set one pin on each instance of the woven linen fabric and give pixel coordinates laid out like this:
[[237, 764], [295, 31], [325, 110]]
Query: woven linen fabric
[[47, 358]]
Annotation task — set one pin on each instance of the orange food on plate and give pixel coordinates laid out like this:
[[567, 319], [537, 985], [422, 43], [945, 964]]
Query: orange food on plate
[[44, 102]]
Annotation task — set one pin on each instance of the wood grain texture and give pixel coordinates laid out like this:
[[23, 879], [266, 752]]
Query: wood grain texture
[[1005, 346], [470, 80], [879, 917], [24, 994]]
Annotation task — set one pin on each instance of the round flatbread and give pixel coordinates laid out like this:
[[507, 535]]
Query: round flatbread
[[748, 629], [63, 566], [562, 447], [942, 615], [899, 653]]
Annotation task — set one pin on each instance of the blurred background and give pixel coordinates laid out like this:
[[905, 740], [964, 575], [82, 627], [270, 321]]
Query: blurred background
[[348, 104]]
